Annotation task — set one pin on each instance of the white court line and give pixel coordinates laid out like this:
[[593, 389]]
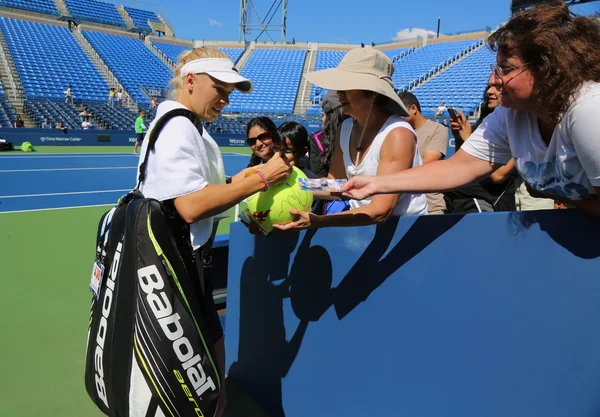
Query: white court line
[[63, 169], [70, 193], [57, 208]]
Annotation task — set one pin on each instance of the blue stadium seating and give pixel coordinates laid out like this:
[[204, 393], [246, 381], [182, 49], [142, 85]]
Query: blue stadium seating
[[276, 75], [426, 61], [460, 86], [132, 63], [325, 59], [48, 59], [39, 6], [7, 113], [234, 53], [140, 17], [397, 54], [95, 11], [173, 51], [55, 111], [115, 118]]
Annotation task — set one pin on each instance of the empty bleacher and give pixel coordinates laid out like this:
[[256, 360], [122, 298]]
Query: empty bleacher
[[131, 62], [55, 111], [48, 59], [173, 51], [325, 59], [276, 75], [39, 6], [426, 61], [7, 113], [141, 17], [95, 11], [234, 53], [460, 86], [116, 118]]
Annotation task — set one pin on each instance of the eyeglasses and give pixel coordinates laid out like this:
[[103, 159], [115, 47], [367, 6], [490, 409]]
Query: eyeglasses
[[501, 72], [262, 137]]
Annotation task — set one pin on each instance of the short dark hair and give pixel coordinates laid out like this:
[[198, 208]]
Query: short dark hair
[[409, 99], [296, 133]]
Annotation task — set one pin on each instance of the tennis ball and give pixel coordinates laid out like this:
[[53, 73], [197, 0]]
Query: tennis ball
[[273, 206]]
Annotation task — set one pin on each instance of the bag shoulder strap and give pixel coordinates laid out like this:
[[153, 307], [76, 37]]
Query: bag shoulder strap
[[317, 137], [155, 131]]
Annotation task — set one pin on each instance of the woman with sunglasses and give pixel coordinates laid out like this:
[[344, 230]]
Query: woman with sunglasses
[[261, 136], [548, 75]]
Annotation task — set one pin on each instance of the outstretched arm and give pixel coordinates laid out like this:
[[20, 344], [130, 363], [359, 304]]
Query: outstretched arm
[[457, 171]]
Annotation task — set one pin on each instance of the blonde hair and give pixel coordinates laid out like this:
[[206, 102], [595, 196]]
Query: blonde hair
[[188, 56]]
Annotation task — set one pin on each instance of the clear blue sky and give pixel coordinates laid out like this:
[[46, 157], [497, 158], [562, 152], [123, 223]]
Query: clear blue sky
[[344, 21]]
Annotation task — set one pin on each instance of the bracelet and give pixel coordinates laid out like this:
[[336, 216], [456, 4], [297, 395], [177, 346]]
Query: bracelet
[[264, 180]]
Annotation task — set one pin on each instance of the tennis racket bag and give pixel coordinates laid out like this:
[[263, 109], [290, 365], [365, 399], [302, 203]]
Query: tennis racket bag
[[147, 355]]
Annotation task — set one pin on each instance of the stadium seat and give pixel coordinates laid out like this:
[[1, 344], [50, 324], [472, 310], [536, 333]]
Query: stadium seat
[[173, 51], [48, 59], [134, 65], [39, 6], [461, 86], [141, 17], [95, 11], [276, 75]]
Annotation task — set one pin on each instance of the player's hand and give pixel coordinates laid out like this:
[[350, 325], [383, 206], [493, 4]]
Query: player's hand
[[360, 187], [277, 169], [302, 220]]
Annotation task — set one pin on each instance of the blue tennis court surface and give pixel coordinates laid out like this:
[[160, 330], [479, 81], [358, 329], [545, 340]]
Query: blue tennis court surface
[[38, 182]]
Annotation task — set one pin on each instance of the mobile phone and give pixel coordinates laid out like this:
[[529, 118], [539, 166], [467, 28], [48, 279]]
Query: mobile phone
[[452, 113]]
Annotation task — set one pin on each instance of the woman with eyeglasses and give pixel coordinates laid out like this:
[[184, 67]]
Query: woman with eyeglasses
[[261, 136], [548, 75]]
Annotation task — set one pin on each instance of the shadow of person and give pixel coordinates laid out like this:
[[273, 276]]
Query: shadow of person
[[574, 230], [370, 271], [264, 353]]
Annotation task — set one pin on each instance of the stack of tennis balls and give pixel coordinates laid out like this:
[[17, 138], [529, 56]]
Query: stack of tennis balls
[[272, 206]]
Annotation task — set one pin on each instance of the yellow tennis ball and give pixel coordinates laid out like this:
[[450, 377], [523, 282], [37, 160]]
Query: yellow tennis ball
[[273, 206]]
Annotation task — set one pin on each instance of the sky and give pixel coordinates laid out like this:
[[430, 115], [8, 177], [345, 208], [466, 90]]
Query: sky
[[339, 21]]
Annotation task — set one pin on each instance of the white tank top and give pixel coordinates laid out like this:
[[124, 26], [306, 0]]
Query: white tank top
[[408, 204]]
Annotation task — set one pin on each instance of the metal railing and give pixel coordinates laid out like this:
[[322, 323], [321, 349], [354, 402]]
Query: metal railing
[[311, 52], [104, 69]]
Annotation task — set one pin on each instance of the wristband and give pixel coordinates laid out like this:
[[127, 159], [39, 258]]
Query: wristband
[[264, 179]]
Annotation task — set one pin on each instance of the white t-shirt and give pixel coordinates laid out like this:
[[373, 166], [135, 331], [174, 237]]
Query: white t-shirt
[[408, 204], [181, 163], [568, 167]]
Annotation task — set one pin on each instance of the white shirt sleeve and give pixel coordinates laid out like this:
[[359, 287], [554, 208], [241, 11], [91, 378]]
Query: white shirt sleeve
[[178, 164], [583, 130], [490, 140]]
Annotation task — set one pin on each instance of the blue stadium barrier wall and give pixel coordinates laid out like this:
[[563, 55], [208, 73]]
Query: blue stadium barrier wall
[[55, 137], [475, 315]]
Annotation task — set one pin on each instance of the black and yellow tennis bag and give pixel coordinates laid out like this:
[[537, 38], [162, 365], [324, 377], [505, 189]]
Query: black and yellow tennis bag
[[147, 354]]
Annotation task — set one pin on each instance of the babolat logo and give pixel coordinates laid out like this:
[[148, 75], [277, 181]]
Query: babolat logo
[[152, 283], [102, 328]]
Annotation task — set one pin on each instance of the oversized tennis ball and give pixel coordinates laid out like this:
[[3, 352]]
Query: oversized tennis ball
[[273, 206]]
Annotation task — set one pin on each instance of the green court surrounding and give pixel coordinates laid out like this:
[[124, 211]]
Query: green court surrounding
[[46, 262]]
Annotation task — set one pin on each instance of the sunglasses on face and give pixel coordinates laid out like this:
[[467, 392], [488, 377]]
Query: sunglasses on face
[[262, 137]]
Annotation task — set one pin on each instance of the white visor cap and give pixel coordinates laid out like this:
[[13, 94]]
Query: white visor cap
[[221, 69]]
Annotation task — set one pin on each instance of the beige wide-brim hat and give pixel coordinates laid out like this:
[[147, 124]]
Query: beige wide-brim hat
[[362, 69]]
